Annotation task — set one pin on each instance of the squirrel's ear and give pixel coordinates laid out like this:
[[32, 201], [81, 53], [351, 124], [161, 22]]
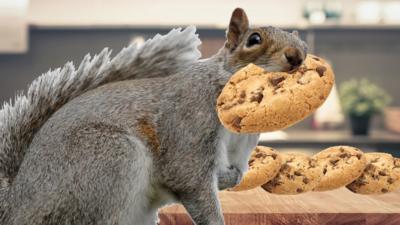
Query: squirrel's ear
[[237, 27], [295, 33]]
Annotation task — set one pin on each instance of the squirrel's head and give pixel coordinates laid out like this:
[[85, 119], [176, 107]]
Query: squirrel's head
[[268, 47]]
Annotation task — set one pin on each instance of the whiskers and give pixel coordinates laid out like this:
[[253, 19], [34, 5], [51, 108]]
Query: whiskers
[[275, 66]]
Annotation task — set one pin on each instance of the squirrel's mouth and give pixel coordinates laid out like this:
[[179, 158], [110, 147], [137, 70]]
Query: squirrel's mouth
[[293, 68], [275, 67], [282, 65], [280, 68]]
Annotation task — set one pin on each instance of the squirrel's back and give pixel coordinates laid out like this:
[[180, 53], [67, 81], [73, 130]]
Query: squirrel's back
[[22, 118]]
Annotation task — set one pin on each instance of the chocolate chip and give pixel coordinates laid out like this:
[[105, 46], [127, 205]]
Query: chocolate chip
[[359, 156], [242, 94], [285, 167], [240, 101], [334, 161], [382, 173], [276, 80], [321, 70], [257, 97], [306, 180], [274, 156], [390, 180], [275, 182], [258, 155], [251, 162], [384, 190], [236, 123], [325, 170], [298, 173], [315, 58], [299, 190], [290, 177], [344, 155], [369, 168]]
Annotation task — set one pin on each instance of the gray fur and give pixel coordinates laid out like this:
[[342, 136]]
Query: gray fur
[[118, 150], [158, 57]]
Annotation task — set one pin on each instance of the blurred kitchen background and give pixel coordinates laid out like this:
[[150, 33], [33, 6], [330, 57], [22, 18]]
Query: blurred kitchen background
[[361, 39]]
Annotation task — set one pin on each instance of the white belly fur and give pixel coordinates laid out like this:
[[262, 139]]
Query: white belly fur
[[235, 149]]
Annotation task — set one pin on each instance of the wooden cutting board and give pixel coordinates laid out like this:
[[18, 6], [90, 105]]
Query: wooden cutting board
[[256, 207]]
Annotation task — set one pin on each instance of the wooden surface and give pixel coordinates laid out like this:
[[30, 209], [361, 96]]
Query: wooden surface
[[258, 207]]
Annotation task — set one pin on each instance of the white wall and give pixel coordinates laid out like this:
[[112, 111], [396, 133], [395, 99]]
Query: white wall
[[157, 12], [13, 26]]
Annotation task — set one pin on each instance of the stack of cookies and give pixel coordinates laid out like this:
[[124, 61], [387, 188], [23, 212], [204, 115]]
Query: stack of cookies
[[332, 168], [255, 101]]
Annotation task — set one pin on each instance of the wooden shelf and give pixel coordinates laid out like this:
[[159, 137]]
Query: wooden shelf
[[256, 207]]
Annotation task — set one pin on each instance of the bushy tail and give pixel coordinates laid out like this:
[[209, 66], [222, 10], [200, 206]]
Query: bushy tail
[[157, 57]]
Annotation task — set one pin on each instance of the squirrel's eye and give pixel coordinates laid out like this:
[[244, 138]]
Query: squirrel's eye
[[254, 39]]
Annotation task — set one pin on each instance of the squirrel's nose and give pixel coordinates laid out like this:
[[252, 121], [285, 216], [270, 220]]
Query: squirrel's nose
[[294, 57]]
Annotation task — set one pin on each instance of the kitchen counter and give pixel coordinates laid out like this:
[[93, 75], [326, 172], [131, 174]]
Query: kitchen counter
[[256, 207]]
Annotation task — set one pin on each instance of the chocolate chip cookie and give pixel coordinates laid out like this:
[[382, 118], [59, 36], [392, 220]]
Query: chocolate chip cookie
[[299, 173], [264, 164], [254, 100], [341, 166], [381, 175]]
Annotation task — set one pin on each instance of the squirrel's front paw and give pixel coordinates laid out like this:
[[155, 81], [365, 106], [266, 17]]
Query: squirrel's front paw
[[229, 177], [237, 175]]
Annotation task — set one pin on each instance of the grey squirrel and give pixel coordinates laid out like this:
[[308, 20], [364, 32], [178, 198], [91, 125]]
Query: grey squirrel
[[113, 140]]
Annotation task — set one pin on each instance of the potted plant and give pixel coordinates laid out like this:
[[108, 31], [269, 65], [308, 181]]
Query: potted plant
[[361, 99]]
